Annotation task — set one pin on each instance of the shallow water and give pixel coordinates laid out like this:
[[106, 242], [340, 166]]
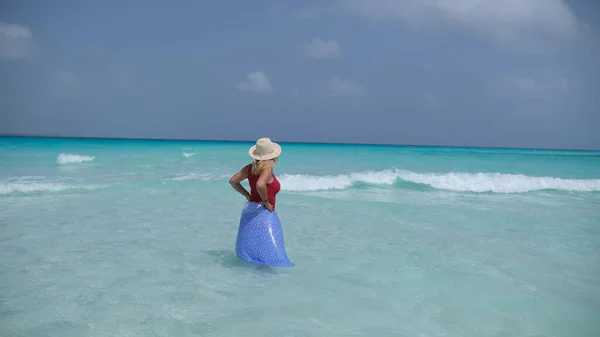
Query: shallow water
[[135, 238]]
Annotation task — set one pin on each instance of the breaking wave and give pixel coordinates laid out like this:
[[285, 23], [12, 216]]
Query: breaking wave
[[65, 158], [454, 181]]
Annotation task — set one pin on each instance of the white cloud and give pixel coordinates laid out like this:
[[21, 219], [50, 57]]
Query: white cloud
[[504, 21], [346, 88], [321, 49], [257, 82], [16, 42]]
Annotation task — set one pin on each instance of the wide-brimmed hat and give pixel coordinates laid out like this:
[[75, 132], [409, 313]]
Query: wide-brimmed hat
[[264, 149]]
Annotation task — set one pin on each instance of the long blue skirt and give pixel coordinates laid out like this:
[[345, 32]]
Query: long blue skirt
[[260, 237]]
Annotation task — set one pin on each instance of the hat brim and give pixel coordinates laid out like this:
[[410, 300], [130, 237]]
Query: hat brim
[[276, 152]]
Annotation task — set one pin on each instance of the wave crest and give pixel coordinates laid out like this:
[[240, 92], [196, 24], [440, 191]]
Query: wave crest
[[454, 181], [65, 158]]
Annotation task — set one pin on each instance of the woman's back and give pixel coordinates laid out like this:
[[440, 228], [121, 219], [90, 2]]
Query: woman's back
[[273, 187]]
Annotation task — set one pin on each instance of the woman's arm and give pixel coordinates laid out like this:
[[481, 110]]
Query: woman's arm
[[235, 180]]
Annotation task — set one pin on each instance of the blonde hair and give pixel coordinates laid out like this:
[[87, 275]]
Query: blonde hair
[[259, 165]]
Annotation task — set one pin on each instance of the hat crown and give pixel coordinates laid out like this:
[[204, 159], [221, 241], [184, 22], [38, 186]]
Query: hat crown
[[264, 146], [264, 149]]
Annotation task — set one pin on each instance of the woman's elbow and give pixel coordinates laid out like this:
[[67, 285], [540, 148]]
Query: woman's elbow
[[261, 185]]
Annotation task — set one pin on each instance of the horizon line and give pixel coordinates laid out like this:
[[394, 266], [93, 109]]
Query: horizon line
[[6, 135]]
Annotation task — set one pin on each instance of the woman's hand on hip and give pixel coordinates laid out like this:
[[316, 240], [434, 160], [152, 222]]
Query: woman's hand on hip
[[268, 206]]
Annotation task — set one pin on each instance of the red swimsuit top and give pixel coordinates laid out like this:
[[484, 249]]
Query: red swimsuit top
[[272, 188]]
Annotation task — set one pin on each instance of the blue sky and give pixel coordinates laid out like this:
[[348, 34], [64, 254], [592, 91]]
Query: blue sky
[[511, 73]]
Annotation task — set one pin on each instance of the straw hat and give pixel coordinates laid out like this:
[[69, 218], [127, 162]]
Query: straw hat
[[264, 149]]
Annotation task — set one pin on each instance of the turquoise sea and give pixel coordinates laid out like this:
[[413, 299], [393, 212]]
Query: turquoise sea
[[136, 238]]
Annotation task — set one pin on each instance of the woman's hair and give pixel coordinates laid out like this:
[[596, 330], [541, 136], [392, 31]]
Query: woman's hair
[[259, 165]]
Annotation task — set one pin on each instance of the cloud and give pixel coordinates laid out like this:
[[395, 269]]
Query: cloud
[[16, 42], [346, 88], [323, 50], [503, 21], [257, 82]]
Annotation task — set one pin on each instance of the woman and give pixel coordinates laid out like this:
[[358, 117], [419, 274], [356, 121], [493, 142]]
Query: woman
[[264, 186], [260, 236]]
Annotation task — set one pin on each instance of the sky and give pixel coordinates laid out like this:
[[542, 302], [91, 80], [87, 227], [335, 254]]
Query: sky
[[498, 73]]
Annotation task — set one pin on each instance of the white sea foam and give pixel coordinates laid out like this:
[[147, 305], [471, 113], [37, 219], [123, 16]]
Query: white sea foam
[[65, 158], [198, 176], [499, 182], [188, 154], [193, 176], [454, 181], [32, 187]]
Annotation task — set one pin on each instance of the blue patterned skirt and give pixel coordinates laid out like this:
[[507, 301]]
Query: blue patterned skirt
[[260, 237]]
